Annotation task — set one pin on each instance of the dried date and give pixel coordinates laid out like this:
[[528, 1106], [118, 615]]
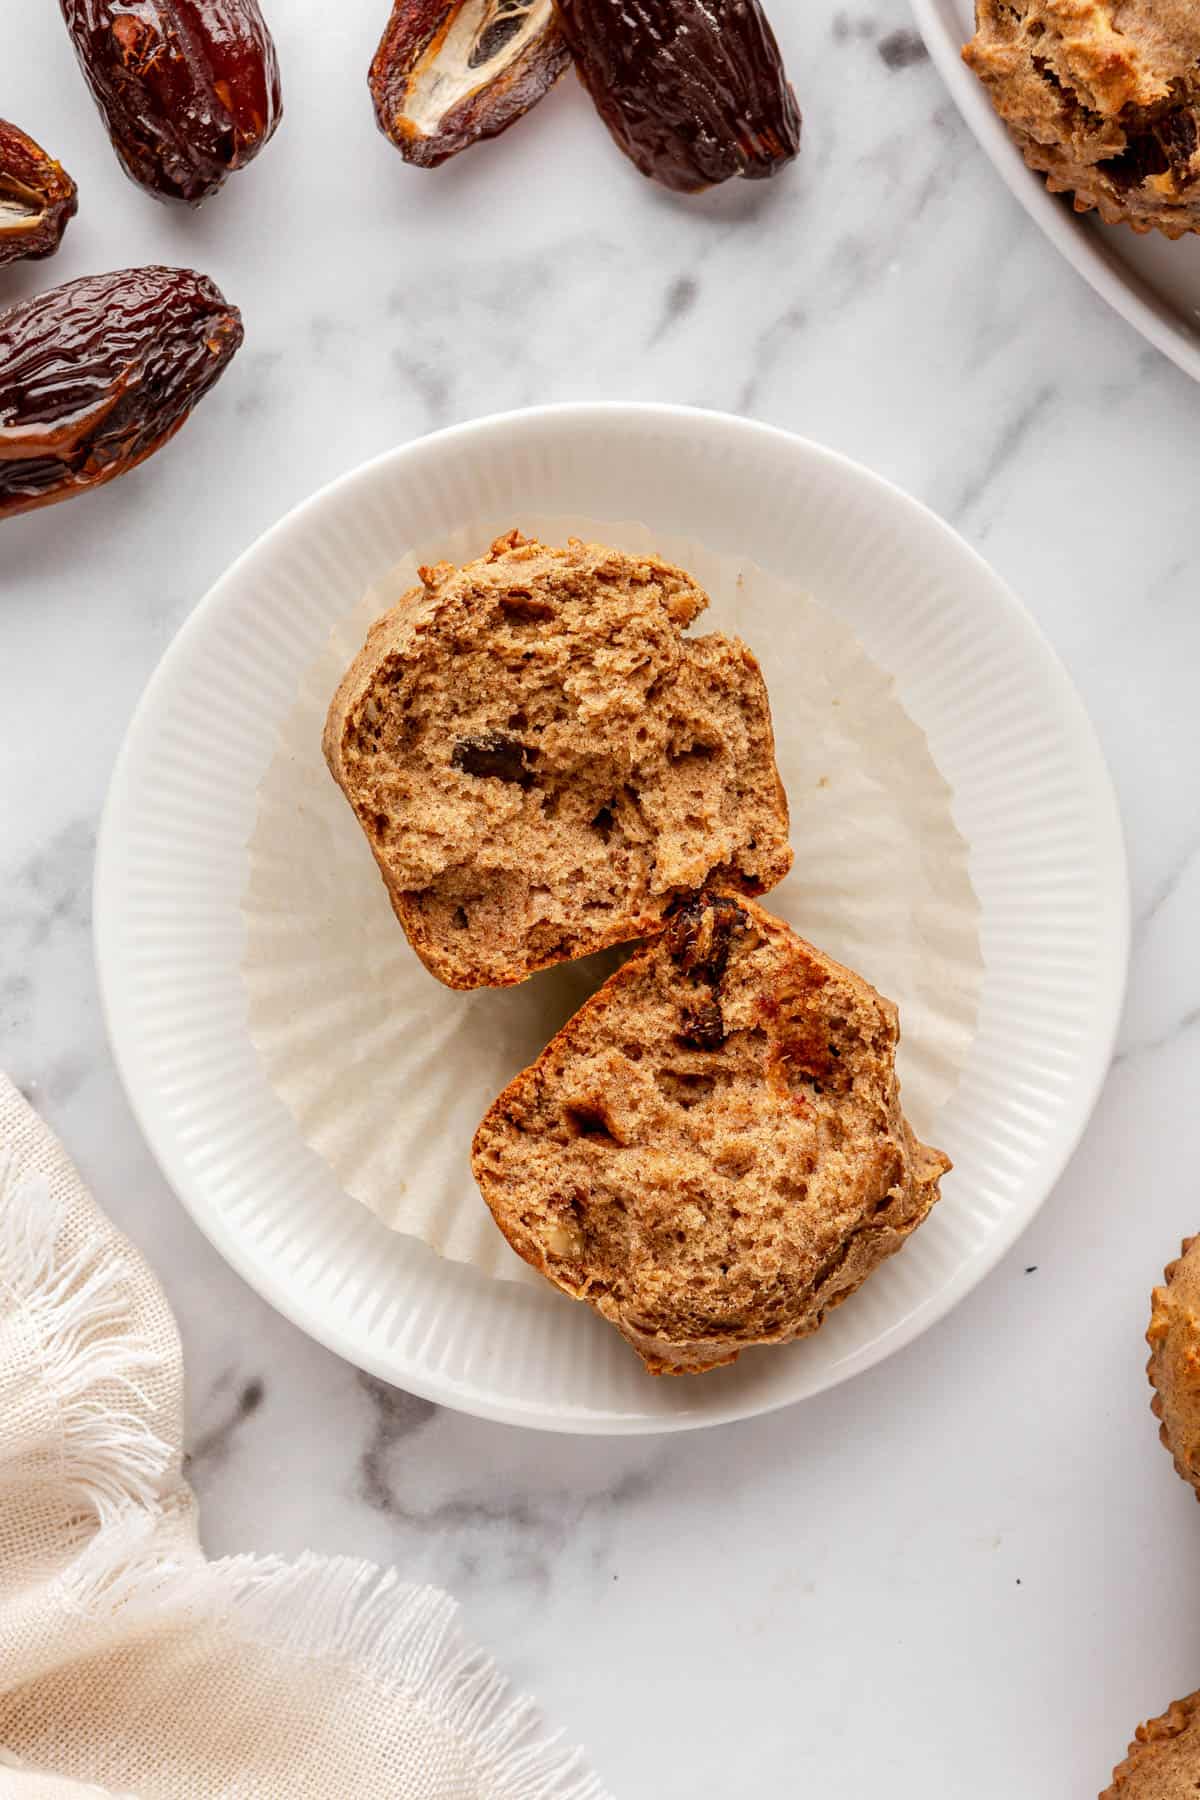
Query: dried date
[[37, 197], [189, 89], [702, 1027], [96, 375], [700, 934], [450, 72], [693, 91], [496, 756], [1155, 145]]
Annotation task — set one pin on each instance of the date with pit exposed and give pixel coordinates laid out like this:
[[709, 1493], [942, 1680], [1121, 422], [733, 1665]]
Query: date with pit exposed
[[37, 197], [189, 89], [96, 375], [449, 73]]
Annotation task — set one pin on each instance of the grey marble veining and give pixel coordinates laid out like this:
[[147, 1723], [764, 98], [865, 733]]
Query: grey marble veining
[[397, 1416], [210, 1438], [972, 1570]]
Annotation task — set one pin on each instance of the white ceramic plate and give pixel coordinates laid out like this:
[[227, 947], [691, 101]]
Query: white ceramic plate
[[1032, 797], [1153, 283]]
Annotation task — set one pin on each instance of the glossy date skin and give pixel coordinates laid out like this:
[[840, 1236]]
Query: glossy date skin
[[189, 89], [37, 197], [693, 91], [97, 374]]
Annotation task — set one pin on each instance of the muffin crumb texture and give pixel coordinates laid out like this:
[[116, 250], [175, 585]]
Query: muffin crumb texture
[[1102, 97], [711, 1151], [542, 762]]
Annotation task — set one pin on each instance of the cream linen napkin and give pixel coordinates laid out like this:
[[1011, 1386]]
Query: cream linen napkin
[[129, 1663]]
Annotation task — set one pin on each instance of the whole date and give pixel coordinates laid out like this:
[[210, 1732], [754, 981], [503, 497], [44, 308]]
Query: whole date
[[189, 89], [37, 197], [96, 375], [693, 91]]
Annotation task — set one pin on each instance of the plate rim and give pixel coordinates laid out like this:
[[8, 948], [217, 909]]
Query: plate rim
[[294, 1304], [1100, 264]]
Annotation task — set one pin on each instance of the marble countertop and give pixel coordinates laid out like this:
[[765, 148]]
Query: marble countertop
[[971, 1571]]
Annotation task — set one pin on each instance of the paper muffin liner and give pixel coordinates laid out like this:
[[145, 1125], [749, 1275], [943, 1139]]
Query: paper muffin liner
[[388, 1073]]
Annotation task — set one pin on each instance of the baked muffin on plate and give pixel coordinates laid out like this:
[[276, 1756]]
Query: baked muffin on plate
[[542, 760], [1174, 1366], [1164, 1757], [712, 1151], [1103, 98]]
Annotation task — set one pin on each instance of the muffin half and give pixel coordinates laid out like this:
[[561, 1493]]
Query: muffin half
[[542, 761], [711, 1152]]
